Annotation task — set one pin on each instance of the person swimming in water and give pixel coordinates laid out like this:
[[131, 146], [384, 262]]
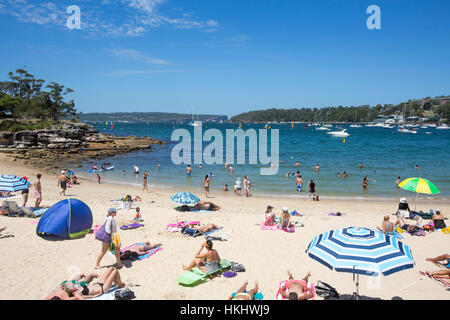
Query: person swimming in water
[[188, 170]]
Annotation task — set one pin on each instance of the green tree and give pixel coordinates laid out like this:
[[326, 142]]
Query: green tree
[[54, 104]]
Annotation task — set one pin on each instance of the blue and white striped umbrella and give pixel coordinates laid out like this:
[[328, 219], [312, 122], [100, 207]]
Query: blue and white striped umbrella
[[360, 251], [184, 198], [11, 183]]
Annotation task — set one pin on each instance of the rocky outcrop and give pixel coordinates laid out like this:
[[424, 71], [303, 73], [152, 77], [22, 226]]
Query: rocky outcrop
[[70, 142]]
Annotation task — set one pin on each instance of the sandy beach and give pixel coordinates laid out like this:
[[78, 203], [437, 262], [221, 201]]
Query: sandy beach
[[32, 266]]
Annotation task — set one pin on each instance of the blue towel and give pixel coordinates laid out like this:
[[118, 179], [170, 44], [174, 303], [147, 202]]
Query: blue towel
[[258, 295]]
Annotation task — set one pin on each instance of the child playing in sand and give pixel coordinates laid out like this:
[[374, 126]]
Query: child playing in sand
[[138, 217], [99, 179]]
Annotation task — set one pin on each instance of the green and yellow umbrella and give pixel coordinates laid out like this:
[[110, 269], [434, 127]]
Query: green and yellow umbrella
[[419, 185]]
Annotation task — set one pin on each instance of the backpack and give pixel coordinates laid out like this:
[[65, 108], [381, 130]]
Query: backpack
[[326, 291], [124, 294]]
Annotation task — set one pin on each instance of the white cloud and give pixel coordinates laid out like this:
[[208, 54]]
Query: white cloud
[[108, 18], [136, 56]]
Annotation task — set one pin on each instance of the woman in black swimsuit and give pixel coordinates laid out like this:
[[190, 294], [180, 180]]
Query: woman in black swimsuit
[[110, 277]]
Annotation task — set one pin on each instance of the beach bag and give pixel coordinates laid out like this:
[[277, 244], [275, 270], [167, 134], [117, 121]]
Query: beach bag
[[102, 235], [124, 294], [326, 291], [237, 267]]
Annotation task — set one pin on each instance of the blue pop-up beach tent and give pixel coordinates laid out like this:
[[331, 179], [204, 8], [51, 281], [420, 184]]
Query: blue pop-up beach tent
[[69, 218]]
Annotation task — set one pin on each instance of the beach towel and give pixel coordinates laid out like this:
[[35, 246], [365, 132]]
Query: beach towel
[[284, 282], [295, 213], [182, 224], [201, 211], [257, 296], [274, 227], [196, 276], [37, 212], [443, 282], [131, 226]]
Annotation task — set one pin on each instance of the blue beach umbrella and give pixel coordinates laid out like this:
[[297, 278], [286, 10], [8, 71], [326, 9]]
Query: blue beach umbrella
[[184, 198], [360, 251], [12, 183]]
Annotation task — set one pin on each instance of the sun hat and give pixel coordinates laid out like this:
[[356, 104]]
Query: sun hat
[[403, 200], [111, 210], [269, 207], [62, 171], [284, 209]]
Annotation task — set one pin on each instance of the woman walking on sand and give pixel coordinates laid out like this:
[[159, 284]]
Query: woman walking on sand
[[206, 183], [110, 230]]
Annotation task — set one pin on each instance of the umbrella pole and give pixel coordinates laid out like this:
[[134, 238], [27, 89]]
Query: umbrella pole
[[415, 201]]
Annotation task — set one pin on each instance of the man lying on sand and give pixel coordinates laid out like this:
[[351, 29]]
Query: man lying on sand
[[80, 287], [297, 289], [207, 262]]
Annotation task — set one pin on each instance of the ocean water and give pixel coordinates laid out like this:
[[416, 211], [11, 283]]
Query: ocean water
[[385, 153]]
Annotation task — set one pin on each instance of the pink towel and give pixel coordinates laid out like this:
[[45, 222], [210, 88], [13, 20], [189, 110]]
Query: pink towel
[[274, 227], [182, 224]]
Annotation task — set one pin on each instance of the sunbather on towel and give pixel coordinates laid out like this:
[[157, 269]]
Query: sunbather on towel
[[297, 289], [205, 205], [401, 222], [241, 294], [207, 262], [143, 249], [443, 260], [205, 228], [2, 229], [80, 287]]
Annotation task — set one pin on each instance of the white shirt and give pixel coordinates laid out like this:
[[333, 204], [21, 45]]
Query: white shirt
[[110, 225]]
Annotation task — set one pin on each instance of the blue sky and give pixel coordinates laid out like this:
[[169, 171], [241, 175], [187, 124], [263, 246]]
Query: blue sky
[[230, 56]]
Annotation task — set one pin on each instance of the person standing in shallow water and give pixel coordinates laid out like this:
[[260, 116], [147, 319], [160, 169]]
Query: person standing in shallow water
[[206, 183], [145, 182], [365, 182], [188, 170]]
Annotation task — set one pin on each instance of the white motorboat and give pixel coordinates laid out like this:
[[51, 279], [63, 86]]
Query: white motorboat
[[355, 126], [443, 127], [340, 134]]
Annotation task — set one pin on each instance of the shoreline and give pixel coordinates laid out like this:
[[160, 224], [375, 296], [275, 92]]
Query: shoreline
[[304, 196]]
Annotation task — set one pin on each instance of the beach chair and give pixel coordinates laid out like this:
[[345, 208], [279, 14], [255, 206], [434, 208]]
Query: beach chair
[[195, 275]]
